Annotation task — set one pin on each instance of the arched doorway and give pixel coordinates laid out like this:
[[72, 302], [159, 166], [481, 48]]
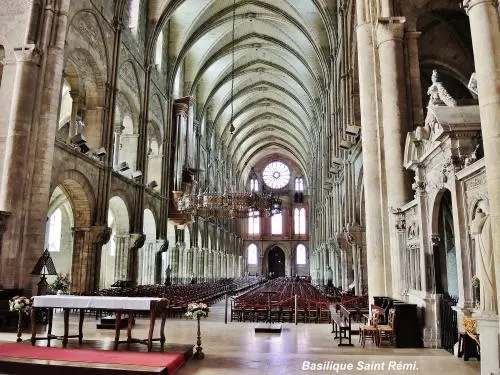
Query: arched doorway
[[276, 262]]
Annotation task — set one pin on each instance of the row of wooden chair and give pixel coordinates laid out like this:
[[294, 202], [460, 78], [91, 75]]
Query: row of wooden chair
[[376, 332]]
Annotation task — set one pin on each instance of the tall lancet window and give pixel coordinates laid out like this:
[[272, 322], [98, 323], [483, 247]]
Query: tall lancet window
[[55, 223], [159, 51], [252, 254], [277, 224], [299, 220], [253, 222], [133, 9], [301, 254]]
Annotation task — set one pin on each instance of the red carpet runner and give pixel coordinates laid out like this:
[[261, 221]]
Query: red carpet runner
[[172, 361]]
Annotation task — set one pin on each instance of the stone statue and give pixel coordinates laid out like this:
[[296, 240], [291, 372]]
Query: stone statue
[[438, 94], [485, 269]]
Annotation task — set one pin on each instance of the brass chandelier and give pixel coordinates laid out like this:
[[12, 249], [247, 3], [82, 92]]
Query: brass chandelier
[[234, 205]]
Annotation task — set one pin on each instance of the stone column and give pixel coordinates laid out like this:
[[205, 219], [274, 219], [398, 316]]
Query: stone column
[[121, 257], [413, 76], [75, 96], [390, 32], [194, 251], [116, 146], [343, 268], [371, 158], [189, 264], [485, 32], [174, 265], [206, 274], [211, 265], [355, 262], [87, 242]]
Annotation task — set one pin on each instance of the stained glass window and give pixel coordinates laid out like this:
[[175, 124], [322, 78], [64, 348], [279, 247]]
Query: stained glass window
[[252, 254], [276, 175], [301, 254]]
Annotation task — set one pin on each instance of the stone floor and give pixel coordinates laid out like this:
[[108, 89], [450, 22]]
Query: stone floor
[[234, 348]]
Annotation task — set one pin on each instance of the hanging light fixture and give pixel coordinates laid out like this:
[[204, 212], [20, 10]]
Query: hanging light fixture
[[231, 129]]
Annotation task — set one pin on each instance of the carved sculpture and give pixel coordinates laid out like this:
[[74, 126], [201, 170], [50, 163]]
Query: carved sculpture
[[485, 269], [438, 94]]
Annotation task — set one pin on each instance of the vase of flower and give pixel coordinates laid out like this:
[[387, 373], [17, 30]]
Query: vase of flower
[[197, 311], [61, 284], [22, 305]]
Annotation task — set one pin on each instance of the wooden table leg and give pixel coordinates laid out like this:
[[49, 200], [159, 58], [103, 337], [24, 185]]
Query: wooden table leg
[[162, 328], [129, 327], [50, 313], [66, 327], [117, 328], [151, 330], [33, 326], [80, 326]]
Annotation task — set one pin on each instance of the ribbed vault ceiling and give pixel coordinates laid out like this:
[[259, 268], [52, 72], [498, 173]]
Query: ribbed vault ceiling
[[282, 52]]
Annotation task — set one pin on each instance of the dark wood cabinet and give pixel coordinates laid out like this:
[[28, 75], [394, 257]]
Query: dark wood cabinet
[[407, 328]]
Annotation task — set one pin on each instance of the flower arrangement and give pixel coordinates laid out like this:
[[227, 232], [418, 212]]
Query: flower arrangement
[[196, 310], [475, 282], [20, 304], [61, 283]]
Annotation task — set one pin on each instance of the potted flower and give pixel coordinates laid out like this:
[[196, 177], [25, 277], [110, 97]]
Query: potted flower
[[197, 311], [22, 305], [61, 284]]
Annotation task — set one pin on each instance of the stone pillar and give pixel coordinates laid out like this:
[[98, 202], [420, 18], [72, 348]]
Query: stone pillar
[[137, 241], [413, 77], [189, 264], [116, 146], [174, 265], [485, 32], [73, 128], [355, 262], [392, 81], [211, 265], [87, 242], [343, 268], [121, 257], [181, 274], [205, 264], [194, 251], [371, 159]]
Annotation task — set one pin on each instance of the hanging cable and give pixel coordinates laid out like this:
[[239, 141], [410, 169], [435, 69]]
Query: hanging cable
[[231, 130]]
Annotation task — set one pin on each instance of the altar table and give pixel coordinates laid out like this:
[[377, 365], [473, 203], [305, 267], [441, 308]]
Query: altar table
[[157, 307]]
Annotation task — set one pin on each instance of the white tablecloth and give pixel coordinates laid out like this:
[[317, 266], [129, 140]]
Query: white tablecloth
[[84, 302]]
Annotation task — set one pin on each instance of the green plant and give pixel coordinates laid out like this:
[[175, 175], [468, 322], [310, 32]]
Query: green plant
[[61, 283]]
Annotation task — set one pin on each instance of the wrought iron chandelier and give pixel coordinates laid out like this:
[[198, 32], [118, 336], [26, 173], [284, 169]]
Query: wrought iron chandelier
[[234, 205]]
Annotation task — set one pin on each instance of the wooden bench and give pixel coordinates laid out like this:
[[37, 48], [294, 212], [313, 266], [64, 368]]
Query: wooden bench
[[341, 324]]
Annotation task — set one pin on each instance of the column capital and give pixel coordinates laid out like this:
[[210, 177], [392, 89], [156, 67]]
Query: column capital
[[75, 95], [390, 28], [27, 53], [469, 4], [137, 240]]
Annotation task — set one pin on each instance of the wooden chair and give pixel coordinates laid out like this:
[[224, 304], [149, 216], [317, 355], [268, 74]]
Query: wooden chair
[[312, 312], [386, 331], [370, 330]]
